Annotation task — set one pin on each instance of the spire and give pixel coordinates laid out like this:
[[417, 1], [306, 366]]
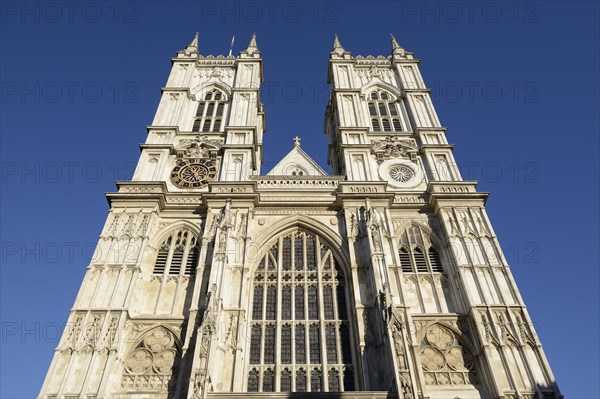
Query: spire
[[194, 42], [396, 48], [338, 49], [252, 46], [336, 42], [253, 41], [192, 48], [395, 44]]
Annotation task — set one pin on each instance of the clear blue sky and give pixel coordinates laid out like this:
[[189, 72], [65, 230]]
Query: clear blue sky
[[516, 83]]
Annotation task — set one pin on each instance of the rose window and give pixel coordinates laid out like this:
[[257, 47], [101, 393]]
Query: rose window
[[401, 173]]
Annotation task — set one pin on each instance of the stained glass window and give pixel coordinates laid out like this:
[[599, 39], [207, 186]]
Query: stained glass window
[[255, 345], [299, 308], [286, 380], [310, 254], [287, 253], [298, 253], [286, 303], [257, 304], [271, 303], [315, 381], [290, 330], [269, 357], [286, 344], [330, 343], [253, 381], [315, 344], [301, 380], [334, 381], [328, 303], [268, 381], [300, 344], [313, 306]]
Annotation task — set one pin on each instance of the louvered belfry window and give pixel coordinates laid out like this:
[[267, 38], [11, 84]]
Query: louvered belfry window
[[384, 112], [210, 112], [417, 254], [299, 334], [178, 254]]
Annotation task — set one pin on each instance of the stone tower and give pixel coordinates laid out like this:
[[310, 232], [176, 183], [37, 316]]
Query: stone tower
[[382, 280]]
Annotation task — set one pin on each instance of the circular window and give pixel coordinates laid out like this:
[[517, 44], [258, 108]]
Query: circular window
[[401, 173]]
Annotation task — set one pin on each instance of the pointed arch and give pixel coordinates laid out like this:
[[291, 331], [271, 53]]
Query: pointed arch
[[214, 100], [414, 237], [437, 241], [298, 312], [155, 326], [176, 249], [200, 90], [384, 107], [264, 239], [373, 85]]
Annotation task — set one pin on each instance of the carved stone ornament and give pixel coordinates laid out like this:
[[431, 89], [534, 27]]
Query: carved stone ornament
[[152, 363], [393, 147], [444, 360], [198, 147]]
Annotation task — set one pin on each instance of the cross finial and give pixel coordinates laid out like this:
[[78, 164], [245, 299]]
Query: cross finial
[[297, 142]]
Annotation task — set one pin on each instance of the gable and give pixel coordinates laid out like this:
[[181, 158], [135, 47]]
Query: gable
[[297, 163]]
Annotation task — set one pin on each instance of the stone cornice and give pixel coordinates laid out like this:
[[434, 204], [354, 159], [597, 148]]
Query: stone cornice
[[455, 187], [437, 146], [285, 183], [406, 60], [342, 90], [166, 129], [154, 192], [327, 190], [169, 147], [415, 91], [430, 129], [461, 193], [352, 188], [342, 129], [209, 60]]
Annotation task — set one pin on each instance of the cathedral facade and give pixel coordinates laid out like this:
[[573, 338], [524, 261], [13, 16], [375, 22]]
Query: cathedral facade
[[213, 279]]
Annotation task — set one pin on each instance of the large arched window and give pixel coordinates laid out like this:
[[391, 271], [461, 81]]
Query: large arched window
[[384, 112], [299, 334], [178, 254], [210, 112]]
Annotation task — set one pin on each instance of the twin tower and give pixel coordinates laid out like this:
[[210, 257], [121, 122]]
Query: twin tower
[[382, 280]]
